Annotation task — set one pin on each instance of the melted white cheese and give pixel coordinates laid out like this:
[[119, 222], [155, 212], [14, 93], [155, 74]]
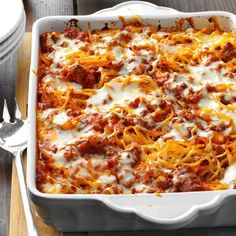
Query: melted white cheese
[[141, 40], [126, 158], [140, 109], [208, 103], [61, 85], [65, 137], [205, 133], [60, 118], [210, 74], [140, 187], [230, 176], [47, 112], [173, 135], [60, 53], [117, 52], [52, 188], [126, 177], [113, 94], [106, 179]]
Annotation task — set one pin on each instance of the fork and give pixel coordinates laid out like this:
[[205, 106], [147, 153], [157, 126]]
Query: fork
[[13, 138]]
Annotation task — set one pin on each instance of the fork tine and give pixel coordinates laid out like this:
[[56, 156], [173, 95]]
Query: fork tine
[[17, 112], [13, 110], [1, 108], [11, 106], [6, 116]]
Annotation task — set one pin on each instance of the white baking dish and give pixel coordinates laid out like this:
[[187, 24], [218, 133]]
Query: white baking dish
[[83, 212]]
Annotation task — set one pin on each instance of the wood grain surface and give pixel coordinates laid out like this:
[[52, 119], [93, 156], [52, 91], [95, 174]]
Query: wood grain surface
[[17, 218], [7, 81], [34, 10], [39, 8]]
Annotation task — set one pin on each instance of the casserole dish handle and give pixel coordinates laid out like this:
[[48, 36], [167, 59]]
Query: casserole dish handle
[[172, 209], [136, 8]]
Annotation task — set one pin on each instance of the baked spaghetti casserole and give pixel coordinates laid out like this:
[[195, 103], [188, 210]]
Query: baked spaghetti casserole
[[138, 109]]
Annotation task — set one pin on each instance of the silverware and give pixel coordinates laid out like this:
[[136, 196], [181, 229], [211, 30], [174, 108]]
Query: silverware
[[13, 138]]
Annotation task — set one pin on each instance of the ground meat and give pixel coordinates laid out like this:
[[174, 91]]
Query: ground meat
[[45, 48], [211, 59], [45, 168], [83, 146], [224, 100], [124, 36], [163, 114], [193, 97], [160, 79], [163, 65], [47, 98], [219, 127], [114, 65], [186, 180], [64, 44], [55, 36], [74, 113], [135, 149], [83, 36], [135, 103], [139, 70], [178, 90], [211, 88], [219, 149], [191, 184], [112, 160], [94, 145], [111, 189], [130, 121], [97, 141], [126, 177], [95, 120], [119, 127], [70, 153], [228, 52], [145, 175], [42, 71], [164, 183], [72, 32], [150, 107], [79, 74], [188, 114], [162, 103]]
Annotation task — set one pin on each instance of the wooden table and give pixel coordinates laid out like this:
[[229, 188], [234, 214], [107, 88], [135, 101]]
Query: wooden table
[[10, 198]]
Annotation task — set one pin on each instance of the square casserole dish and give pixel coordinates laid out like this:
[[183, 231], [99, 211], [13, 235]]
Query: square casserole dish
[[100, 212]]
